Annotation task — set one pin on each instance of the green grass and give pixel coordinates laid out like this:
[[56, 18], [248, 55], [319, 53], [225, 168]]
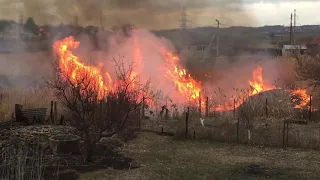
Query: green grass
[[165, 158]]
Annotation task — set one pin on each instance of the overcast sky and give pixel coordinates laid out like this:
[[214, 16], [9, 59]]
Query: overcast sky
[[163, 14]]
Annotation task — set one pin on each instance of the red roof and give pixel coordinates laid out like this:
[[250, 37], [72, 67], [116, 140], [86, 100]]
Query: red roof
[[315, 41]]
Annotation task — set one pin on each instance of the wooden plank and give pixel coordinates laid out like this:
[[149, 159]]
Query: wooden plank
[[37, 114]]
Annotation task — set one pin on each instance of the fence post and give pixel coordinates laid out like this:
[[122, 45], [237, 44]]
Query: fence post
[[62, 120], [51, 112], [200, 104], [55, 114], [142, 112], [207, 106], [267, 114], [310, 108], [238, 126], [17, 112], [283, 134], [234, 107], [287, 138], [194, 134], [187, 118]]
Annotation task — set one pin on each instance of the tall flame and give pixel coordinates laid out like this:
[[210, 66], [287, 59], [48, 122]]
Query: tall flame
[[74, 69]]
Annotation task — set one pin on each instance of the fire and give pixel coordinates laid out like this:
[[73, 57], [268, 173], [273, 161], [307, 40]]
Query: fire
[[303, 97], [76, 71], [257, 84], [185, 84], [187, 88]]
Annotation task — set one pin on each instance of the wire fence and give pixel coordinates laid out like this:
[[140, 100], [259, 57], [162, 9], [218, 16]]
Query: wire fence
[[261, 124]]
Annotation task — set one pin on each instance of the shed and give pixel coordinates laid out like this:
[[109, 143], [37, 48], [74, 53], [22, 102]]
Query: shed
[[292, 50]]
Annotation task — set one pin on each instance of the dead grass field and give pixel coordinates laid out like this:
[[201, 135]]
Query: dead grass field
[[164, 158]]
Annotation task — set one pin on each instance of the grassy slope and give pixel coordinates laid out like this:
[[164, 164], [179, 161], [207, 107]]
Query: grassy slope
[[164, 158]]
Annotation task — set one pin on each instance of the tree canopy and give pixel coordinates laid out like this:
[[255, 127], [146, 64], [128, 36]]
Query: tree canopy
[[31, 26]]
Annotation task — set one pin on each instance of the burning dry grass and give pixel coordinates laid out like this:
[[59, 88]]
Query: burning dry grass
[[263, 118]]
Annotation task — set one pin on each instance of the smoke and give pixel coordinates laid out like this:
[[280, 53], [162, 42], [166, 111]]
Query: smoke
[[149, 14]]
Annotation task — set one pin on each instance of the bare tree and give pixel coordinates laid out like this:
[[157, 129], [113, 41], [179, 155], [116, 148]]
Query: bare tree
[[308, 70], [95, 111]]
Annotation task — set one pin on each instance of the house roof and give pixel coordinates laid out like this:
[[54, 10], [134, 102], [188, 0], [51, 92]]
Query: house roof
[[315, 41], [295, 47]]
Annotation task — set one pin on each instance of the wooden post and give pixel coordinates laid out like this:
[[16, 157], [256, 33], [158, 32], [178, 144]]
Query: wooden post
[[142, 112], [283, 134], [194, 134], [62, 120], [55, 116], [200, 104], [238, 126], [187, 118], [17, 112], [51, 112], [234, 107], [162, 130], [287, 138], [207, 107], [310, 108], [267, 114]]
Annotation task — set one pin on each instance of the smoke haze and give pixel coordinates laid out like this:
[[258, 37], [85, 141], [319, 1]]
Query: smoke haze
[[150, 14]]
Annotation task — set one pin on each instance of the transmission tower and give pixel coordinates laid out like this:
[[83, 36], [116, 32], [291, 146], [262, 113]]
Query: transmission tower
[[183, 19]]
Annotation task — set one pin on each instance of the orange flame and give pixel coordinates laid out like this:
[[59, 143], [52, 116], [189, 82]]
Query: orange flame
[[183, 81], [76, 71]]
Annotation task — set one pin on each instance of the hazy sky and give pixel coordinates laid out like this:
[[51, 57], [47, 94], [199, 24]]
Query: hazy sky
[[163, 14]]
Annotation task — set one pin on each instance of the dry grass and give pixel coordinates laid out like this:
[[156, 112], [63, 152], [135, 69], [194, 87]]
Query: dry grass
[[266, 127], [28, 98], [165, 158], [23, 162]]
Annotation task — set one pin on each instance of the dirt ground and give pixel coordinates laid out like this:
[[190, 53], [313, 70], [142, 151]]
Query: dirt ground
[[163, 157]]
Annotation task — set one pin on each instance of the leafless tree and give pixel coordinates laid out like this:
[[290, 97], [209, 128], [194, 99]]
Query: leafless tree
[[308, 70], [93, 115]]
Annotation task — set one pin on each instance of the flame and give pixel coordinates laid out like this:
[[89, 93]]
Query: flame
[[183, 81], [304, 98], [73, 68], [257, 84], [76, 71]]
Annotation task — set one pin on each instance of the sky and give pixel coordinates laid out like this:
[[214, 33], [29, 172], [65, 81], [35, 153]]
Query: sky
[[163, 14]]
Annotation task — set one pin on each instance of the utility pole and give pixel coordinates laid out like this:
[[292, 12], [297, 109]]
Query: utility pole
[[291, 30], [294, 27], [76, 21], [218, 27]]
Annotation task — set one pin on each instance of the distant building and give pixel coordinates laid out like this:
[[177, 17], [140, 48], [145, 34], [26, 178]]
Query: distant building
[[314, 46], [292, 50], [198, 50]]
